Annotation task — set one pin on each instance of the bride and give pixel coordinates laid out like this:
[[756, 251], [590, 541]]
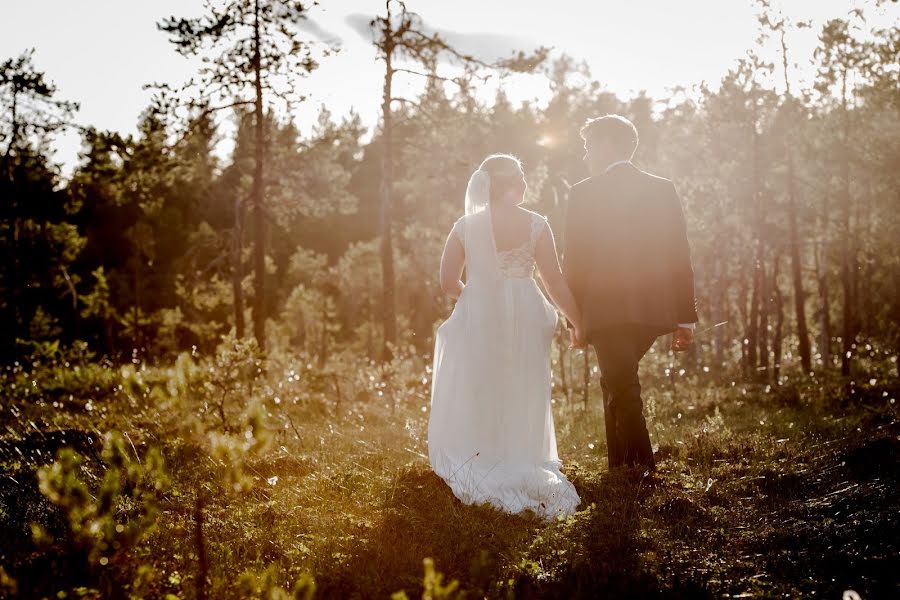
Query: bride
[[491, 434]]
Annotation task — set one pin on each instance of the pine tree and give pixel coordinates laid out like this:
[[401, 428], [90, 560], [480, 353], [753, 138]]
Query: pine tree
[[253, 51]]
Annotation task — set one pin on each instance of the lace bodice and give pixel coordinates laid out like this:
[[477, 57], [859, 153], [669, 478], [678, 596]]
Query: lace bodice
[[514, 262]]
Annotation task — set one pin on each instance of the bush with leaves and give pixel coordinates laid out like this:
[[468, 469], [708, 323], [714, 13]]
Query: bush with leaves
[[102, 525], [265, 586], [433, 586], [53, 371]]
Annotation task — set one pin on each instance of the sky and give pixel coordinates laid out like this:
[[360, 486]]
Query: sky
[[101, 53]]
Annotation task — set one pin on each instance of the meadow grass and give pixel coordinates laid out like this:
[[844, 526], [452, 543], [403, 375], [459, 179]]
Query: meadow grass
[[785, 491]]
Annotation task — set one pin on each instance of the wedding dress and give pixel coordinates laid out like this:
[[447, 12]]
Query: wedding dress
[[491, 435]]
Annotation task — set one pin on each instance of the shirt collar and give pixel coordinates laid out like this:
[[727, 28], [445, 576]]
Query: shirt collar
[[618, 162]]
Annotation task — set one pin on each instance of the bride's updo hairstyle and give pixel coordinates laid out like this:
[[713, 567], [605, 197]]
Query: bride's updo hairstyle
[[505, 170]]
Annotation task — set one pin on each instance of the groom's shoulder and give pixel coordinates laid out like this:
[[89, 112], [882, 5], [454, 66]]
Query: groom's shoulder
[[656, 180]]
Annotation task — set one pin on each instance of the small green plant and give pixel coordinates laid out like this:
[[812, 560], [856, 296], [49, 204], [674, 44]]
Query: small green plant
[[52, 372], [263, 585], [433, 586], [104, 524], [231, 442], [8, 585]]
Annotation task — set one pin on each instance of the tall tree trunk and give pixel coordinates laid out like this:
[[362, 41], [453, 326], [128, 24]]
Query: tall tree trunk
[[847, 312], [765, 303], [757, 296], [796, 267], [797, 271], [866, 322], [323, 330], [388, 308], [259, 233], [752, 338], [237, 269], [370, 319], [743, 309], [846, 262], [721, 309], [779, 321], [136, 309], [822, 278], [763, 296], [856, 273], [15, 287], [719, 292]]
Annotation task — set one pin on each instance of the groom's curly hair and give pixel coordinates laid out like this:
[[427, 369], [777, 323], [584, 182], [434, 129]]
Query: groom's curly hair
[[615, 129]]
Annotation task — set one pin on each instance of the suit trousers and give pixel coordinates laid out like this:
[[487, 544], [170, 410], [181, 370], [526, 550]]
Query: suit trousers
[[619, 352]]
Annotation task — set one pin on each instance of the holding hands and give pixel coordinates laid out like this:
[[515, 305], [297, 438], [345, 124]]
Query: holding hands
[[682, 339], [576, 337]]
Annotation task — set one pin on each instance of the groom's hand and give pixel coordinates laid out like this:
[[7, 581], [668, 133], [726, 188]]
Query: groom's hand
[[682, 339]]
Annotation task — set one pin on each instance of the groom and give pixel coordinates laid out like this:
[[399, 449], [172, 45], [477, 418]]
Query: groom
[[628, 264]]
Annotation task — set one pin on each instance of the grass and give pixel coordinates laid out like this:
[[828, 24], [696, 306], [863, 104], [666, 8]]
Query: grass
[[765, 493]]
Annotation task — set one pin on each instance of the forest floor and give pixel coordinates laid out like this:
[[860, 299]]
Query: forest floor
[[761, 492]]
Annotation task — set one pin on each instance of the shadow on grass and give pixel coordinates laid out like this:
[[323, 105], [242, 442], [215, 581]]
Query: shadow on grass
[[596, 552], [602, 551], [420, 518], [841, 530]]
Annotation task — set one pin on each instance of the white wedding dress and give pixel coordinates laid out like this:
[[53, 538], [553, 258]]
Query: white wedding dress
[[491, 435]]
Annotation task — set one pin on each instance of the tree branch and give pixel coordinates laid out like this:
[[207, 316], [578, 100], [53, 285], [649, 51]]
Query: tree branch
[[199, 119]]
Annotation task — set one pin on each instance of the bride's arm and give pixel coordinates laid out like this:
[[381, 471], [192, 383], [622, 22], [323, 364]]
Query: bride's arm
[[452, 261], [548, 266]]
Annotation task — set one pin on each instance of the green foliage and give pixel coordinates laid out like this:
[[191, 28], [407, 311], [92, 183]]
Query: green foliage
[[97, 302], [144, 249], [8, 585], [233, 372], [404, 378], [433, 586], [264, 586], [110, 521], [33, 112], [38, 285], [52, 372], [233, 452]]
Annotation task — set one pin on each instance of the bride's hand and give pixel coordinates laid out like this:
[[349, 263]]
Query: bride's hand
[[577, 337], [580, 337]]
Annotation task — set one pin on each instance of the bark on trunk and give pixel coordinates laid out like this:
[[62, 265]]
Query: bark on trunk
[[237, 270], [796, 267], [259, 234], [779, 322], [764, 309], [389, 314], [822, 281], [847, 336], [797, 273]]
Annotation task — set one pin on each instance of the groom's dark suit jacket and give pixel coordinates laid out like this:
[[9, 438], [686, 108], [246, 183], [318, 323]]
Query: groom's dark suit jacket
[[627, 258]]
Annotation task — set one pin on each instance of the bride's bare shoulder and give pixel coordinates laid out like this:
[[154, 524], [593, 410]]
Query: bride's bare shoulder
[[459, 227]]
